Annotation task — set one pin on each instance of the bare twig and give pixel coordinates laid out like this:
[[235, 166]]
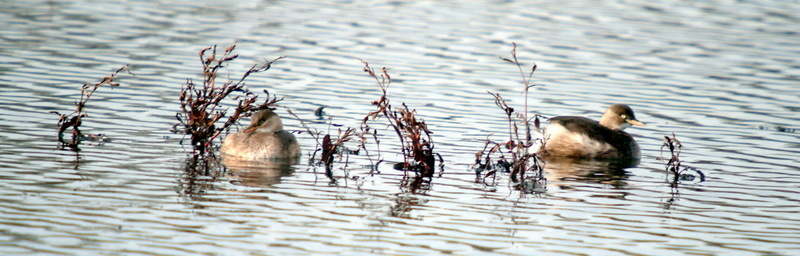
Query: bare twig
[[413, 133], [199, 114], [74, 120], [521, 160], [674, 165]]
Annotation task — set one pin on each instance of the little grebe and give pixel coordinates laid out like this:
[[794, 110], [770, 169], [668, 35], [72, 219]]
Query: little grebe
[[572, 136], [263, 139]]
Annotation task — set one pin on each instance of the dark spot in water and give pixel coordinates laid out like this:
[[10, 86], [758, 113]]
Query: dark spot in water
[[723, 78]]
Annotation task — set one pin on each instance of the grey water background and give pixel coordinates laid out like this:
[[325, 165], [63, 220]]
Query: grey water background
[[721, 75]]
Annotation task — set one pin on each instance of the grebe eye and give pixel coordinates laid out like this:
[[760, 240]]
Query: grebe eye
[[624, 116]]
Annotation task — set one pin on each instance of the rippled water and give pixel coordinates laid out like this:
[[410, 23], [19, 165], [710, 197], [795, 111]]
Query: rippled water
[[721, 75]]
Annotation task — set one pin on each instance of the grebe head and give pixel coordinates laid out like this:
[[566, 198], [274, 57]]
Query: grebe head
[[618, 117], [264, 121]]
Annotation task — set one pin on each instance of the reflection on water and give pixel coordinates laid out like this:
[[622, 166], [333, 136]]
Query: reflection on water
[[413, 195], [258, 173], [604, 171], [200, 174], [722, 75]]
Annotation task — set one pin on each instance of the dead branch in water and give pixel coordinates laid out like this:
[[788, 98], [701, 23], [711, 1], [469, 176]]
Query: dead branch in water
[[328, 145], [415, 137], [674, 165], [200, 103], [522, 158], [74, 120]]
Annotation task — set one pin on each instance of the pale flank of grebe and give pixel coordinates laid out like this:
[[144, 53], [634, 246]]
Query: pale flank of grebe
[[264, 139], [572, 136]]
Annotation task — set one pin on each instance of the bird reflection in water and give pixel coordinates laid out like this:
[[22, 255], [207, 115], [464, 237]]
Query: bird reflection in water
[[562, 171], [262, 173]]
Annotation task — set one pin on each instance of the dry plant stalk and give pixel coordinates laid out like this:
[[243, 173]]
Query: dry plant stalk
[[674, 165], [414, 135], [199, 104], [331, 147], [519, 144], [328, 146], [74, 120]]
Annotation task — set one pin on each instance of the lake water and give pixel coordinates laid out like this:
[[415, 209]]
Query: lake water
[[723, 76]]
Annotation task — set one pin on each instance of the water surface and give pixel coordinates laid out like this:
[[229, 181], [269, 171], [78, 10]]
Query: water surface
[[721, 75]]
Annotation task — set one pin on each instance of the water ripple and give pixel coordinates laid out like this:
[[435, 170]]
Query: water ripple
[[722, 76]]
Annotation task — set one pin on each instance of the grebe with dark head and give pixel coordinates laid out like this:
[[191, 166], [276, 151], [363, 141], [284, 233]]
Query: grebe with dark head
[[580, 137]]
